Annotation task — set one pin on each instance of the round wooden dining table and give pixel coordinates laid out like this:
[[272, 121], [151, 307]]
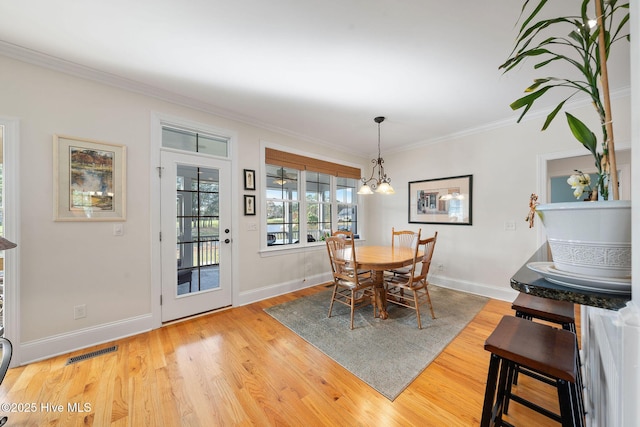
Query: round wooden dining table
[[378, 259]]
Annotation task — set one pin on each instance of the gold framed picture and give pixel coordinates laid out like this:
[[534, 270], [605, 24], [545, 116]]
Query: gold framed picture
[[89, 180]]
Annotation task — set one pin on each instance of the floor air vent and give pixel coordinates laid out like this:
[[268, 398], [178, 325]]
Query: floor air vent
[[92, 354]]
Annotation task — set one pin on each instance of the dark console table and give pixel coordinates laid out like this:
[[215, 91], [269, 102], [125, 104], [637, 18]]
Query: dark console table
[[530, 282]]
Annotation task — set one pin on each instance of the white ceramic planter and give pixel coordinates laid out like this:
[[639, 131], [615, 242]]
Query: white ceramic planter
[[589, 238]]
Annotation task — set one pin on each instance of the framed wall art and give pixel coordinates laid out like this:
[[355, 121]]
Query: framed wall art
[[249, 205], [89, 180], [249, 179], [441, 200]]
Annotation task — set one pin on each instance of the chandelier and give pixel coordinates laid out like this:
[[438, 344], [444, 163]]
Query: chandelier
[[381, 184]]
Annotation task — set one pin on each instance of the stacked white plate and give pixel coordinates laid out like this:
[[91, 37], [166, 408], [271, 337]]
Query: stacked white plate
[[578, 281]]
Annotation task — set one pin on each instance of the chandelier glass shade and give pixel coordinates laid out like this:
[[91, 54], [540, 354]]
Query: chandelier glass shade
[[379, 181]]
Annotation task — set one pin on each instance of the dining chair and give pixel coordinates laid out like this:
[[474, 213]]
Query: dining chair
[[345, 234], [404, 290], [406, 239], [353, 290], [342, 233]]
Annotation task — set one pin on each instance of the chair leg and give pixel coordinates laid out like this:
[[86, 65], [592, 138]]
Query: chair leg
[[353, 300], [417, 305], [433, 315], [333, 297]]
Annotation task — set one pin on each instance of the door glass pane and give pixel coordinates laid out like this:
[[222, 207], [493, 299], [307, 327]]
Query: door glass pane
[[197, 217], [182, 139], [212, 145]]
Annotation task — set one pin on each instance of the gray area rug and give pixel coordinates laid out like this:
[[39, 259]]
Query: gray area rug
[[386, 354]]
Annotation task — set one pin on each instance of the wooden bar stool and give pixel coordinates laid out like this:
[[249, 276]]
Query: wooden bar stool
[[561, 313], [540, 348]]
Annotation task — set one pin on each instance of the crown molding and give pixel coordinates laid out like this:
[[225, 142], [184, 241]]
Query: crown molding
[[68, 67]]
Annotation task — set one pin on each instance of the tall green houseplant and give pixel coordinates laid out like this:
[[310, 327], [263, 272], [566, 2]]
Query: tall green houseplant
[[584, 43]]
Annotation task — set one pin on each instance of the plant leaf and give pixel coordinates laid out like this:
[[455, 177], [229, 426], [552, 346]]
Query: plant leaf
[[529, 99], [582, 133], [553, 115]]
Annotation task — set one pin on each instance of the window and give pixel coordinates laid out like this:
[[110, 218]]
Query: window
[[187, 140], [323, 192], [283, 206], [318, 207], [347, 199]]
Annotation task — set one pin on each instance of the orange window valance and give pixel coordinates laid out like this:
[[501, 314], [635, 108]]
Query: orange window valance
[[296, 161]]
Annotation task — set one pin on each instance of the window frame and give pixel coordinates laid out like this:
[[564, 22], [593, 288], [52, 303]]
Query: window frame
[[302, 200]]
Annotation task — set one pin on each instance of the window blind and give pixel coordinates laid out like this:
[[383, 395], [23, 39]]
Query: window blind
[[296, 161]]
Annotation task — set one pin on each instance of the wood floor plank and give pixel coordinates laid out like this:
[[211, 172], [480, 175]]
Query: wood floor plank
[[240, 367]]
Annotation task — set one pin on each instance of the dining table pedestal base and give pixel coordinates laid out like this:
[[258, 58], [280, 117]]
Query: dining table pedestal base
[[381, 293]]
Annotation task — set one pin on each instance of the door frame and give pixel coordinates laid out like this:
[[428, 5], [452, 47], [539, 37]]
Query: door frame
[[157, 121]]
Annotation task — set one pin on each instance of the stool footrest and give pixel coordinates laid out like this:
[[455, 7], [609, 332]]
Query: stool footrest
[[536, 375], [535, 407]]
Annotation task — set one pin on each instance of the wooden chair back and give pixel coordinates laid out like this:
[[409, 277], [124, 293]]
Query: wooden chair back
[[427, 245], [404, 238], [342, 255], [419, 269], [343, 233]]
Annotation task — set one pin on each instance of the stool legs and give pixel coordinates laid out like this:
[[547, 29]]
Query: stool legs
[[490, 411], [570, 407], [546, 352], [568, 326], [497, 397]]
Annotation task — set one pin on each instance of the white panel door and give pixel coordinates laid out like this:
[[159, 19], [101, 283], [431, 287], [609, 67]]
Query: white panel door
[[196, 235]]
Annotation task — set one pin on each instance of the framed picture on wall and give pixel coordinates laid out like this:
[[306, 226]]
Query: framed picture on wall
[[441, 200], [249, 179], [249, 205], [89, 180]]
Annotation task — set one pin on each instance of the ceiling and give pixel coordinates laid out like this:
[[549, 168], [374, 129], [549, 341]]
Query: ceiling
[[317, 70]]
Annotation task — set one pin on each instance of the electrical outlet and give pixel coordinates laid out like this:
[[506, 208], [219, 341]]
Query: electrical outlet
[[510, 226], [79, 311]]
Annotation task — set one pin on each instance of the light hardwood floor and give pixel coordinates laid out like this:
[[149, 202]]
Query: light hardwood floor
[[242, 367]]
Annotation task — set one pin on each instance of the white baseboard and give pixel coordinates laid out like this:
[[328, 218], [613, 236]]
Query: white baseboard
[[260, 294], [503, 294], [45, 348]]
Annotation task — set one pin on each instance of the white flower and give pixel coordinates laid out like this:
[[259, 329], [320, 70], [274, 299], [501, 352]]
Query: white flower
[[578, 182]]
